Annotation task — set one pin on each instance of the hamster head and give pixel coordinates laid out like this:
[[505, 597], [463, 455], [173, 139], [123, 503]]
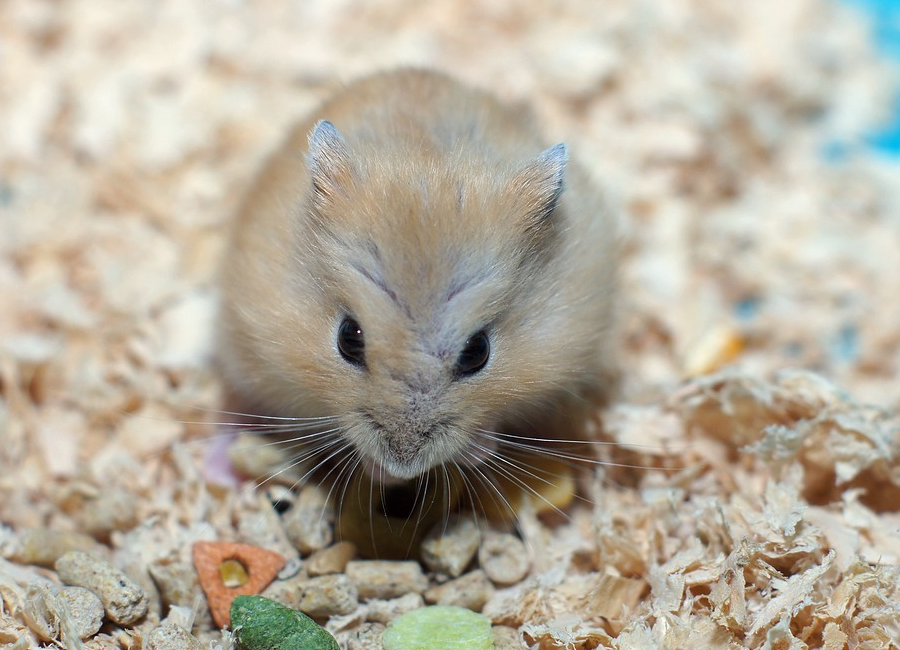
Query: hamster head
[[424, 296]]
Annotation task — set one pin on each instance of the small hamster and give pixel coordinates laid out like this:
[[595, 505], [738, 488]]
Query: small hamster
[[416, 278]]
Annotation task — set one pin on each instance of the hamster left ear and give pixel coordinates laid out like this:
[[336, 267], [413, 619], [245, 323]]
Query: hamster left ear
[[330, 161], [540, 183]]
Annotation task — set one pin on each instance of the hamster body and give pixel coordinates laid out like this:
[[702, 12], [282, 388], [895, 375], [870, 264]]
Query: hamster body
[[418, 269]]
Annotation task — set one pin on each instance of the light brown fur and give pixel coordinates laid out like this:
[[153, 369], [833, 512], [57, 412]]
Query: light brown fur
[[425, 228]]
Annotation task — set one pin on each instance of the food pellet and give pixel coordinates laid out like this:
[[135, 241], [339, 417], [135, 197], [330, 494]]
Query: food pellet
[[449, 548], [503, 558], [365, 637], [439, 628], [385, 611], [263, 624], [285, 592], [386, 578], [331, 560], [86, 610], [169, 636], [123, 599], [111, 511], [308, 524], [326, 596], [44, 547], [176, 580], [470, 591]]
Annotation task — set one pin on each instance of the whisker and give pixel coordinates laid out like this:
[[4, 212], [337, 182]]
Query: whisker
[[415, 508], [301, 439], [347, 464], [493, 464], [549, 451], [266, 417], [344, 464], [310, 451], [513, 438], [522, 458], [491, 487], [262, 426], [372, 506], [381, 490], [419, 512], [247, 428], [446, 481], [334, 442], [271, 477], [471, 493]]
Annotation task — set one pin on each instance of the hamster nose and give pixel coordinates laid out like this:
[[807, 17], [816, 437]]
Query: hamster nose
[[404, 447]]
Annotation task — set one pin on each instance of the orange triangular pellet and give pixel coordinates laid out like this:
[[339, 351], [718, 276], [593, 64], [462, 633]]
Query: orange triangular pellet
[[262, 566]]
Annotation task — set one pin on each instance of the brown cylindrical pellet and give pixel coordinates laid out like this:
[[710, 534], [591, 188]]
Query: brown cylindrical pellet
[[123, 599], [386, 579]]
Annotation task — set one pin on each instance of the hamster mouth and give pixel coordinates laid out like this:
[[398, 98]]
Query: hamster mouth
[[379, 474], [401, 454], [386, 470]]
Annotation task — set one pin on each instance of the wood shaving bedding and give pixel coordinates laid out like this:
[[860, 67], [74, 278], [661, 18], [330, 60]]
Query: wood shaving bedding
[[761, 344]]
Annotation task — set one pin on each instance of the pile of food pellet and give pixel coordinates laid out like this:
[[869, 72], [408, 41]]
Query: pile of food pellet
[[760, 342]]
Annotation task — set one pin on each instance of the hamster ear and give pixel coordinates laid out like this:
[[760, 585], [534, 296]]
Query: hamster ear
[[329, 159], [540, 183]]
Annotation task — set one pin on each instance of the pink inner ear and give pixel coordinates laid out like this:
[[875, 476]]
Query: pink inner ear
[[217, 467]]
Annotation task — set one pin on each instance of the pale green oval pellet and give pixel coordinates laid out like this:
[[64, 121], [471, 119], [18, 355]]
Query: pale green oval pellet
[[439, 628]]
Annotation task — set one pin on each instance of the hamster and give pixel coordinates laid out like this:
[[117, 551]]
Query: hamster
[[416, 271]]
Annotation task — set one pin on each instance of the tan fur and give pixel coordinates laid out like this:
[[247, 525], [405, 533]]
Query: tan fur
[[436, 196]]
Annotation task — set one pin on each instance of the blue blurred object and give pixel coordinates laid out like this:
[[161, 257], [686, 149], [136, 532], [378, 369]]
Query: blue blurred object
[[845, 344], [747, 309], [886, 32]]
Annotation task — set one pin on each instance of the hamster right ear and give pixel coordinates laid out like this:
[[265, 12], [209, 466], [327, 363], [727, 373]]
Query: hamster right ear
[[329, 160], [540, 183]]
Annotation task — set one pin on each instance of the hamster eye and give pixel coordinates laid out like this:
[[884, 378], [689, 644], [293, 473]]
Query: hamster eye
[[351, 343], [475, 354]]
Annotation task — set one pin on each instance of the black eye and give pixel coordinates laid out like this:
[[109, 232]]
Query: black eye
[[351, 343], [474, 355]]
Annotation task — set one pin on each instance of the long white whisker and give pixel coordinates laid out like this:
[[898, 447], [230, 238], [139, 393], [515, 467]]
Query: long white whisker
[[491, 488], [266, 417], [446, 481], [514, 438], [390, 524], [415, 505], [372, 506], [473, 496], [419, 513], [493, 464], [301, 439], [345, 464], [496, 457], [334, 442], [550, 452], [248, 428]]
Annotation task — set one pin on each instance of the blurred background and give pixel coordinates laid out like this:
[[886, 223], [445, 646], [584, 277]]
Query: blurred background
[[752, 148]]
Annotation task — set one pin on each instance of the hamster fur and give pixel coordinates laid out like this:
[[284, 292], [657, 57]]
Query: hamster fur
[[434, 220]]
